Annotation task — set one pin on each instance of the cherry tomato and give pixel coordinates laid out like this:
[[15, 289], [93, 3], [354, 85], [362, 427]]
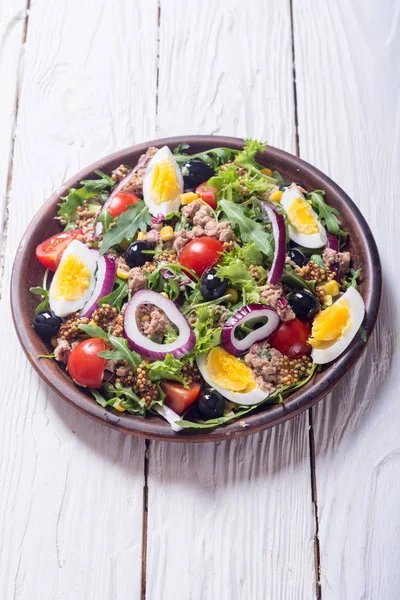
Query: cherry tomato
[[50, 251], [291, 338], [120, 203], [208, 195], [200, 254], [84, 365], [179, 398]]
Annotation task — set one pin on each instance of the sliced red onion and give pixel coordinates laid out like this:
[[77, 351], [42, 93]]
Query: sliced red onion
[[183, 344], [246, 313], [169, 415], [279, 233], [332, 242], [105, 279], [141, 163], [158, 219], [167, 274]]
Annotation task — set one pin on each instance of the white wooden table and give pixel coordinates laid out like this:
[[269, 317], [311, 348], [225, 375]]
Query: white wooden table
[[307, 510]]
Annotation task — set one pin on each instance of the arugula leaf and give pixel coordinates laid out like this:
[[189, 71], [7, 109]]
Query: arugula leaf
[[292, 279], [136, 217], [76, 197], [99, 397], [363, 334], [106, 220], [327, 214], [94, 331], [116, 297], [353, 278], [130, 356], [44, 294], [213, 158], [250, 230], [173, 285], [169, 368], [126, 398], [278, 178]]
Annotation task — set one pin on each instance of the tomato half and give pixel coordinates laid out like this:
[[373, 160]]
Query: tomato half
[[207, 194], [120, 203], [50, 251], [291, 338], [84, 365], [200, 254], [179, 398]]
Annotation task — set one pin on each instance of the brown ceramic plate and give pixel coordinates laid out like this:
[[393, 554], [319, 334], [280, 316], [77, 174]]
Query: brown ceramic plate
[[29, 272]]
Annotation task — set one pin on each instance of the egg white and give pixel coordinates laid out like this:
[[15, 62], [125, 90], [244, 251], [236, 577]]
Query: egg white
[[313, 240], [60, 306], [164, 208], [355, 303], [249, 398]]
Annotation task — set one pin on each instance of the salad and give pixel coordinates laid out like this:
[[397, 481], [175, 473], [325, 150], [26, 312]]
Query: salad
[[198, 287]]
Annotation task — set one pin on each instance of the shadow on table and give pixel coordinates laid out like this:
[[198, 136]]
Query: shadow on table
[[361, 395]]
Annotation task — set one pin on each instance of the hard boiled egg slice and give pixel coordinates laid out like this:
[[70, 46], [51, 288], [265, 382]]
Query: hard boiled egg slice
[[162, 183], [305, 228], [230, 377], [334, 328], [74, 280]]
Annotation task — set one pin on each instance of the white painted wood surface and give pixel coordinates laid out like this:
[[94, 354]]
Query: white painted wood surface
[[232, 520], [348, 75]]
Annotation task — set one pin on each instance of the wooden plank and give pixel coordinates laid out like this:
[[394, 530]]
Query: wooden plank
[[230, 520], [71, 489], [348, 83], [12, 37]]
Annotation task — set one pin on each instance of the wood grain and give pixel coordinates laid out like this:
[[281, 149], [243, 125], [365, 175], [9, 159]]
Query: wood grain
[[230, 520], [70, 489], [348, 82]]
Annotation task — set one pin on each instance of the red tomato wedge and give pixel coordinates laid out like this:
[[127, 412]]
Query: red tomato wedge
[[200, 254], [177, 397], [291, 338], [85, 366], [208, 195], [50, 251], [121, 202]]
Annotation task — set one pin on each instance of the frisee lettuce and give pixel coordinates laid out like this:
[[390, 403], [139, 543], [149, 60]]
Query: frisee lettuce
[[91, 188], [169, 368]]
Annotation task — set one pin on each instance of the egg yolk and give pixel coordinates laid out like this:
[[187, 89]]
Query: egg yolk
[[73, 278], [330, 324], [165, 186], [301, 217], [229, 372]]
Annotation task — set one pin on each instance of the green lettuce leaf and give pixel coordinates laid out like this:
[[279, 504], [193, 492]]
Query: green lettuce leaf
[[169, 368]]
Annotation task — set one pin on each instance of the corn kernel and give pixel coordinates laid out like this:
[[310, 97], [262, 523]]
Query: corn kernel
[[276, 196], [267, 171], [328, 300], [234, 296], [331, 288], [54, 341], [119, 408], [141, 235], [93, 323], [122, 274], [164, 294], [145, 318], [188, 197], [167, 233]]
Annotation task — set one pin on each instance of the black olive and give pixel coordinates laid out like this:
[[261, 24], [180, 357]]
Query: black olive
[[298, 257], [47, 324], [211, 286], [134, 256], [210, 403], [304, 304], [196, 172], [286, 185]]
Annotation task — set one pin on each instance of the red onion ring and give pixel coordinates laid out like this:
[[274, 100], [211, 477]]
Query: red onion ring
[[332, 242], [279, 233], [105, 279], [183, 344], [250, 311]]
